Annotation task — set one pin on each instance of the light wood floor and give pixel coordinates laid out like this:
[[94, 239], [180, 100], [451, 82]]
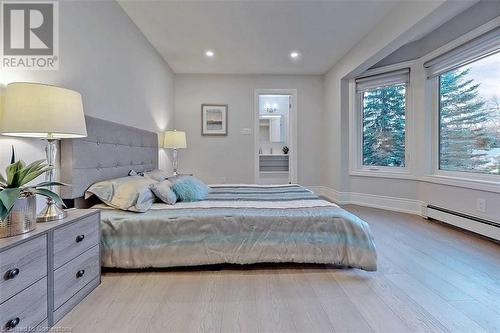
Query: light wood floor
[[431, 278]]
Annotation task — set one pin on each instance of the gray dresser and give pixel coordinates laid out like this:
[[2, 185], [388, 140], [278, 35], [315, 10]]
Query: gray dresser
[[45, 273]]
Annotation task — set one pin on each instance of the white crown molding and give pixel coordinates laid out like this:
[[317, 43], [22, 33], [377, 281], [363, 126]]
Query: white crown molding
[[371, 200]]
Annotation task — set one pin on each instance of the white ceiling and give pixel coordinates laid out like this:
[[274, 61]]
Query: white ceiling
[[255, 37]]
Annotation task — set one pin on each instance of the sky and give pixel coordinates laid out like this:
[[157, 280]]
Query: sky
[[487, 72]]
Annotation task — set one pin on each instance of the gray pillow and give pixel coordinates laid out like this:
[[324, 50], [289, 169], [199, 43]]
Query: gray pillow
[[158, 175], [163, 191], [125, 193]]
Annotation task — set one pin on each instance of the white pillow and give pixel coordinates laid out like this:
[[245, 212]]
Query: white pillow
[[126, 193], [158, 175], [163, 191]]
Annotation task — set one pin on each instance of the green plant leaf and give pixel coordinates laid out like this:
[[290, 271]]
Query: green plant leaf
[[32, 167], [34, 174], [47, 184], [26, 175], [49, 194], [3, 211], [10, 170], [8, 197], [13, 156], [35, 164], [3, 181], [13, 173]]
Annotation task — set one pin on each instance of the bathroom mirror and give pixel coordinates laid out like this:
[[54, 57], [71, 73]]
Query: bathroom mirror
[[272, 129]]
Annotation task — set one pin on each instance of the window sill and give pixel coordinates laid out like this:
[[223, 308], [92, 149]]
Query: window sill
[[475, 184], [381, 173]]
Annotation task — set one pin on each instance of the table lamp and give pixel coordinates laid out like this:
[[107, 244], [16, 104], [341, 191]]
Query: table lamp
[[174, 140], [35, 110]]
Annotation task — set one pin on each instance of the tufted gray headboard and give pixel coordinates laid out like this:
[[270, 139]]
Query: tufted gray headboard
[[110, 150]]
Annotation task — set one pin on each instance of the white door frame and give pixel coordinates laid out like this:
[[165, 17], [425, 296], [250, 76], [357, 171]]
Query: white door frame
[[292, 144]]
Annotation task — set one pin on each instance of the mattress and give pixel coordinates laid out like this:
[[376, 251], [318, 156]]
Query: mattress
[[238, 224]]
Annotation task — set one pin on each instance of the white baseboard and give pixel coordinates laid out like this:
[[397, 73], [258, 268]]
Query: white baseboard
[[370, 200], [329, 193], [484, 229]]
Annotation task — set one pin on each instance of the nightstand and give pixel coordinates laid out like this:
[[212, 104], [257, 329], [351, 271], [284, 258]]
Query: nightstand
[[47, 272]]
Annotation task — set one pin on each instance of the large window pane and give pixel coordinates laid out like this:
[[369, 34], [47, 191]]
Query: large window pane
[[469, 116], [384, 126]]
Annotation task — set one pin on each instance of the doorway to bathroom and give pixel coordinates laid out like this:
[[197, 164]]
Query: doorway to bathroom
[[275, 115]]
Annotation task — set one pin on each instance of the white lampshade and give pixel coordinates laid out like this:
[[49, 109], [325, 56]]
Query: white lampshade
[[174, 139], [42, 111]]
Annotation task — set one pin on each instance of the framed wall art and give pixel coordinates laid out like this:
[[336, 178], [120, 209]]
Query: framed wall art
[[214, 119]]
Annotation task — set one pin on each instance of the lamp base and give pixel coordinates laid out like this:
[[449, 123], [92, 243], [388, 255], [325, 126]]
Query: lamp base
[[51, 212]]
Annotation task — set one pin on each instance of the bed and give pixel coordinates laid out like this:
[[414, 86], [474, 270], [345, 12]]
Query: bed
[[237, 224]]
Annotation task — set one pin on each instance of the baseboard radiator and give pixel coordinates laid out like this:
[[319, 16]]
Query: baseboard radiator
[[475, 224]]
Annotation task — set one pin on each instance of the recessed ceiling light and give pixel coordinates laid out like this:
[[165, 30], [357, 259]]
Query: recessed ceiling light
[[294, 54], [209, 53]]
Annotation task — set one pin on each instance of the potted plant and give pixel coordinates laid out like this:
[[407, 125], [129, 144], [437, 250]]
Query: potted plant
[[18, 200]]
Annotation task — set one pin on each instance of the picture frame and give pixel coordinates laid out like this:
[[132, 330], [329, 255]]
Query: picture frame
[[214, 119]]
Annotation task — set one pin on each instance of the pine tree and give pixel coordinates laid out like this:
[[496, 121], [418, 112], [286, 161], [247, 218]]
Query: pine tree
[[384, 126], [462, 120], [494, 123]]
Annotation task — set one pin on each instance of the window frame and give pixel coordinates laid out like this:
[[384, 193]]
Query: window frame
[[356, 167], [428, 168], [449, 177]]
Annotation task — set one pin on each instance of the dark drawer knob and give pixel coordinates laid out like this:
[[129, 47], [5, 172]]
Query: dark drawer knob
[[79, 238], [10, 274], [12, 323], [80, 273]]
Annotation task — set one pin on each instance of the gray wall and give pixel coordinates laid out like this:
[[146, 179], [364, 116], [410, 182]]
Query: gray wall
[[231, 159], [475, 16], [107, 59]]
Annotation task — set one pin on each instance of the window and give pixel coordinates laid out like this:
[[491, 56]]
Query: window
[[384, 126], [469, 117], [381, 115], [468, 108]]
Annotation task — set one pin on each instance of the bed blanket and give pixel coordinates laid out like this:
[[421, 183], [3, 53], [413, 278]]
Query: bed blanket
[[238, 224]]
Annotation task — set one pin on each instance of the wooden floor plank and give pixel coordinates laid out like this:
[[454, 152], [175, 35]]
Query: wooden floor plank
[[377, 313], [445, 279], [410, 312], [427, 236], [450, 317], [301, 301], [481, 314], [272, 312], [240, 307], [210, 302], [340, 310], [179, 299]]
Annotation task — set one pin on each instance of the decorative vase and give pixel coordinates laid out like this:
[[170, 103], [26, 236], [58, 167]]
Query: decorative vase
[[21, 219]]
